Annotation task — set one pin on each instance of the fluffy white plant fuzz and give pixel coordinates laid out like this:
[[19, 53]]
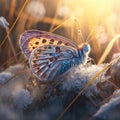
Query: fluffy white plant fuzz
[[21, 98], [40, 116], [18, 79], [64, 11], [4, 23], [20, 76], [115, 55], [116, 93], [36, 9], [79, 76], [100, 34], [115, 72], [4, 77], [110, 110], [7, 113], [15, 68]]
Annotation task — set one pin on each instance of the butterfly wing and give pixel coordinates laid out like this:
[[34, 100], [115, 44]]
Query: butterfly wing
[[49, 61], [32, 39]]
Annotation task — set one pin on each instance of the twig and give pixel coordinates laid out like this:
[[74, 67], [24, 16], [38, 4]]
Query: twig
[[14, 22]]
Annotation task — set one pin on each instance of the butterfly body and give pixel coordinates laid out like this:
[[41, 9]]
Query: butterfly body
[[53, 56]]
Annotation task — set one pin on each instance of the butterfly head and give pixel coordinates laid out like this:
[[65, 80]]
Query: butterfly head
[[85, 47]]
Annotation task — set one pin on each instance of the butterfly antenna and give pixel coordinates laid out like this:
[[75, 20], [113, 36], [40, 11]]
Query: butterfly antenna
[[64, 22], [81, 35], [79, 30], [90, 36], [77, 24]]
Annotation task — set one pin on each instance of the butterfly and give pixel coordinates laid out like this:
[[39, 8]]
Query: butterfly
[[51, 55]]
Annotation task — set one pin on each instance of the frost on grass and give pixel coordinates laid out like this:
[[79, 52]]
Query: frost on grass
[[110, 110], [116, 93], [115, 55], [4, 23], [15, 68], [12, 78], [64, 11], [115, 72], [7, 113], [20, 76], [45, 103], [79, 76], [4, 77], [21, 98]]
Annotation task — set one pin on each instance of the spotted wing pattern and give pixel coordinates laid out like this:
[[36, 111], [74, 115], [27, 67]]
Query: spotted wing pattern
[[32, 39], [49, 61]]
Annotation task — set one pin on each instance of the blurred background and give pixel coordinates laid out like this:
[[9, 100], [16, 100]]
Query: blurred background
[[95, 20]]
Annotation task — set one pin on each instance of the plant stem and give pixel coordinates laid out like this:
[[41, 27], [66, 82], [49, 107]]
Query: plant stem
[[11, 45]]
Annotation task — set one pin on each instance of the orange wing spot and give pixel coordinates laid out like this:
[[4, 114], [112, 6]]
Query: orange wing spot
[[37, 42], [59, 42], [38, 72], [51, 41], [35, 66], [43, 76], [34, 43], [34, 61], [34, 58], [36, 55], [62, 44], [55, 42]]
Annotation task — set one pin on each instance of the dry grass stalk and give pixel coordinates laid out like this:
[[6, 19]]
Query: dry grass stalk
[[4, 6], [14, 22], [55, 15], [30, 22], [12, 10], [9, 61], [12, 48], [108, 48], [21, 24]]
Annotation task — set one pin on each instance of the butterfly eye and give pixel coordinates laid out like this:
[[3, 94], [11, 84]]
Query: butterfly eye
[[86, 48]]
